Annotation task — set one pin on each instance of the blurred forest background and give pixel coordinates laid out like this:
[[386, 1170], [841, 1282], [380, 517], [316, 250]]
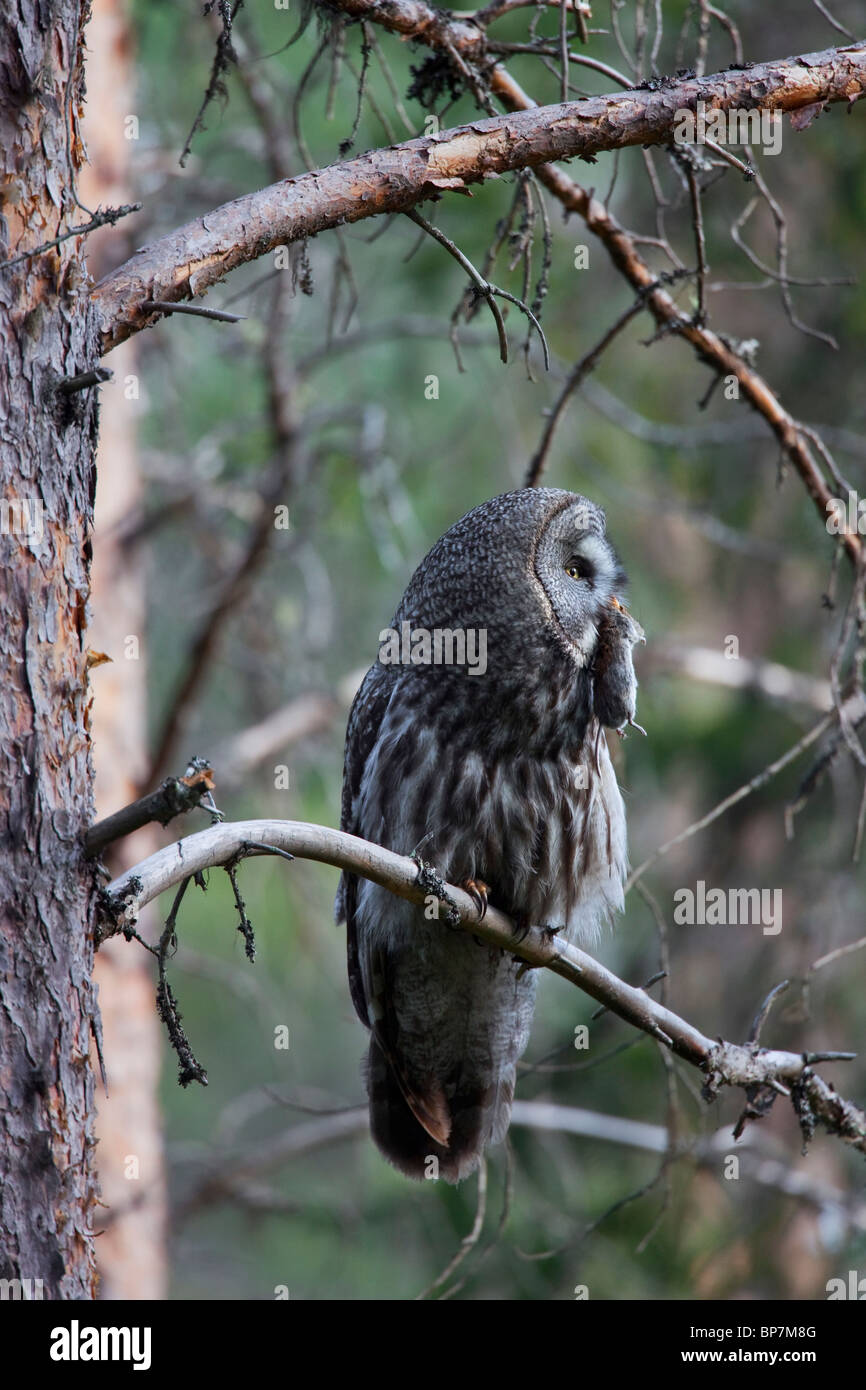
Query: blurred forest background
[[319, 399]]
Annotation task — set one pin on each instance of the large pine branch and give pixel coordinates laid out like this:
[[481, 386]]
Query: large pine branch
[[187, 262]]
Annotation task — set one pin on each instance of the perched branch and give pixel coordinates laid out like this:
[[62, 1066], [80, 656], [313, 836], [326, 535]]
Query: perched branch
[[763, 1073], [187, 262]]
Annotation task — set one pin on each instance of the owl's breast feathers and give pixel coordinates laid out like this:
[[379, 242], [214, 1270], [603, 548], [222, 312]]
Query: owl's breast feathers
[[478, 799]]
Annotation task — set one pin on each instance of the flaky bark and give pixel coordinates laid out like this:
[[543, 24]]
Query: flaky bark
[[47, 332], [187, 262]]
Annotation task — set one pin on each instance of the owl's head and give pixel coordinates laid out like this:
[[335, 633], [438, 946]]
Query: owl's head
[[577, 568], [534, 568]]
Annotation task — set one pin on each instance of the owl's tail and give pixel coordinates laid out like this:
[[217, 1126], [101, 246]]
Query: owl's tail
[[474, 1115]]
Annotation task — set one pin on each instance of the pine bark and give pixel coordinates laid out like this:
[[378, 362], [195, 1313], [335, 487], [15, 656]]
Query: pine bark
[[47, 441]]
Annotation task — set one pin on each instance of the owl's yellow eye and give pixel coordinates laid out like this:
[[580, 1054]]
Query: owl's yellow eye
[[574, 571]]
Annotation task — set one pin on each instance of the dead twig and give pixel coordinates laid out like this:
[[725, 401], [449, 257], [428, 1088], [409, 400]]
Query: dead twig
[[174, 797], [222, 61], [106, 218], [485, 288]]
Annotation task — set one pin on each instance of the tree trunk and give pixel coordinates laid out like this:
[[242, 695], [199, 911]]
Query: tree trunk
[[47, 442]]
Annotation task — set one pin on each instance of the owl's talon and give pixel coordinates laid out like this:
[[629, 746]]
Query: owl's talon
[[522, 927], [477, 891], [551, 932], [547, 931]]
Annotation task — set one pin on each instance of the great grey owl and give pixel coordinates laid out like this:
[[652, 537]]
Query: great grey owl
[[493, 768]]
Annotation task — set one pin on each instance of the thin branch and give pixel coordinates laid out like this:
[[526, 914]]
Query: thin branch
[[107, 218], [366, 50], [581, 59], [822, 764], [164, 306], [781, 276], [759, 780], [731, 29], [578, 373], [563, 53], [189, 1068], [385, 68], [468, 1243], [840, 28], [485, 289], [832, 956], [700, 241]]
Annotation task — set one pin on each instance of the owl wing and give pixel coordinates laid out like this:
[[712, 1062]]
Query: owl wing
[[368, 966], [365, 717]]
